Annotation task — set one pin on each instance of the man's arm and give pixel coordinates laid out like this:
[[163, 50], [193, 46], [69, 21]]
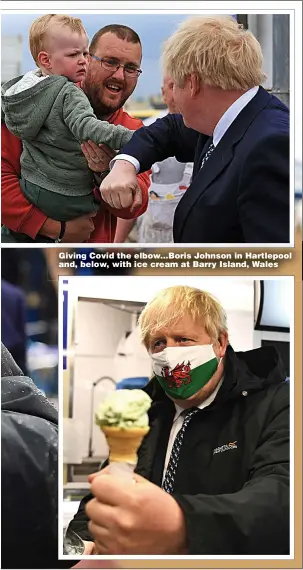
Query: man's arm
[[255, 520], [263, 201], [123, 229], [166, 137], [17, 213], [98, 159]]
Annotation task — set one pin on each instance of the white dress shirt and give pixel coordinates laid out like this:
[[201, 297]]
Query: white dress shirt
[[178, 421], [220, 129], [231, 114]]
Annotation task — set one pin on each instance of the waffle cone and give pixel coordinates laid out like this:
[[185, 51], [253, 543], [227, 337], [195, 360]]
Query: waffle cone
[[124, 443]]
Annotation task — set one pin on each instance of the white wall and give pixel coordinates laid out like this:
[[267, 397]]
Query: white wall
[[241, 328], [233, 293], [98, 332]]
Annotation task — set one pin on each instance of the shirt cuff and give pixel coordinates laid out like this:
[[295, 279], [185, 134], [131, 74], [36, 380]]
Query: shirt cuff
[[130, 159]]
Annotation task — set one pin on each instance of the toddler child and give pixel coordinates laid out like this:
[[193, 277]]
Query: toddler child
[[53, 116]]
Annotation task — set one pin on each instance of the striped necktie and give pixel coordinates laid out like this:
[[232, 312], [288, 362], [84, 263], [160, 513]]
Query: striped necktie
[[168, 483], [205, 158]]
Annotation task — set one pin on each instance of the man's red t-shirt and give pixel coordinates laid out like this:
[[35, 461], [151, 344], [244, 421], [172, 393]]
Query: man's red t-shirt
[[21, 216]]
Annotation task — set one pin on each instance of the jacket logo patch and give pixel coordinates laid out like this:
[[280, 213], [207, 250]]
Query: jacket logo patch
[[226, 447]]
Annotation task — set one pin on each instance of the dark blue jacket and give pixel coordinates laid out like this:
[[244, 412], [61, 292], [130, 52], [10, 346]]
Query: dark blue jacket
[[29, 473], [13, 319], [242, 193]]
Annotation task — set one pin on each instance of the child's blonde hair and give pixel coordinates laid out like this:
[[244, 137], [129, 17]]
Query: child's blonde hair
[[40, 27]]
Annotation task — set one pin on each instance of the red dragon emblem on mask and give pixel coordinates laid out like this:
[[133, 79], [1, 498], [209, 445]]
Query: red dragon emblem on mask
[[178, 376]]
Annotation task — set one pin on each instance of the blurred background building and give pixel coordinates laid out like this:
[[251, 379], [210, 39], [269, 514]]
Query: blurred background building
[[272, 31], [11, 56], [29, 316]]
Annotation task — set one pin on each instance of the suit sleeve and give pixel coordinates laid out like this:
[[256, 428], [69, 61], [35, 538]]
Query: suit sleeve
[[254, 520], [17, 213], [144, 183], [166, 137], [263, 203]]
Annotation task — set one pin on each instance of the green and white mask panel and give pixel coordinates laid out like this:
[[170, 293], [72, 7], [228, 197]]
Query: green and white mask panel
[[184, 370]]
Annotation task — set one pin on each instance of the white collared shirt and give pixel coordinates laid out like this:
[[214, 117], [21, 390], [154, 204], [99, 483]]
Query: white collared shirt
[[220, 129], [178, 421], [231, 114]]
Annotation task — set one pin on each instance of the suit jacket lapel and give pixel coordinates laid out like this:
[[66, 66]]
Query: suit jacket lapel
[[220, 158], [200, 151]]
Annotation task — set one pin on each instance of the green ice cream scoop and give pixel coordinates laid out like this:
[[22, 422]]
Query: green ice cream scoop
[[124, 409]]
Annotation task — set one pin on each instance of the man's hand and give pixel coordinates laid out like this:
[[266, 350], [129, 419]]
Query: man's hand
[[89, 547], [128, 518], [98, 156], [120, 188], [79, 229], [76, 231], [98, 564]]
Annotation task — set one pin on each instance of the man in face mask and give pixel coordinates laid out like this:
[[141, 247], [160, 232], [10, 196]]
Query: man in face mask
[[212, 474]]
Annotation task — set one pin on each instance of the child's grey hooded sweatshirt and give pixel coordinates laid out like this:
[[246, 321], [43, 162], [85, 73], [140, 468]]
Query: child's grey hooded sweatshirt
[[53, 117]]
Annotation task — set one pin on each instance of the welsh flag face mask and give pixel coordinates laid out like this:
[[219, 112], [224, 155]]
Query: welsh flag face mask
[[184, 370]]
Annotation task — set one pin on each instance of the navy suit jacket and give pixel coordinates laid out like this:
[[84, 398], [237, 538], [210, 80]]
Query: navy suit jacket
[[241, 195]]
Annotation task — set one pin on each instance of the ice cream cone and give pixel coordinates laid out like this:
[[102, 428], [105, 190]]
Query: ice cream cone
[[124, 443]]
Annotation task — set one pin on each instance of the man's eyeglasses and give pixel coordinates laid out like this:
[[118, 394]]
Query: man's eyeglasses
[[112, 64]]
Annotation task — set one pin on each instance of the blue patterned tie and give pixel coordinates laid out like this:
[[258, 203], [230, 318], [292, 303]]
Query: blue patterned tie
[[168, 483], [205, 158]]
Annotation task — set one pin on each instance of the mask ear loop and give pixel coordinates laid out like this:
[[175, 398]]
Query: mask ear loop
[[220, 359]]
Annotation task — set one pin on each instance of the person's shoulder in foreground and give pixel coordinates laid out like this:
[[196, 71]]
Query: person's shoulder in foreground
[[29, 472]]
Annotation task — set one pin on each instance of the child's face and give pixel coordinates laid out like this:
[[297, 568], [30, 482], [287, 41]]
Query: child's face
[[68, 54]]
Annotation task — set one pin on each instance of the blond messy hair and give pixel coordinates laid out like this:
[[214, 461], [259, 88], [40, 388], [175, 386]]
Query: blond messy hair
[[40, 27], [173, 303], [218, 50]]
